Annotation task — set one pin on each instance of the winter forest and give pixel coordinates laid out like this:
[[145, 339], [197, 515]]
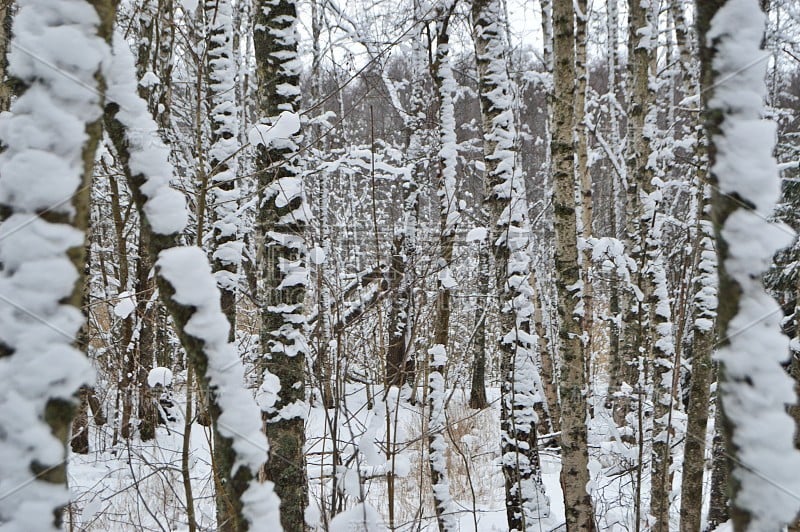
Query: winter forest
[[399, 265]]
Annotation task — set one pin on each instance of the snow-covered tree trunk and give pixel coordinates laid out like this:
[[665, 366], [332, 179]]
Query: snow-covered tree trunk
[[704, 308], [618, 370], [449, 215], [154, 67], [583, 171], [574, 445], [189, 292], [549, 375], [636, 341], [794, 410], [223, 193], [49, 143], [509, 235], [223, 152], [648, 328], [753, 387], [283, 216], [153, 70], [127, 370], [663, 347], [400, 356], [437, 445]]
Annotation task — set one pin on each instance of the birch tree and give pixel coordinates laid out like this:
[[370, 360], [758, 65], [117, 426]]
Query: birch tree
[[574, 448], [189, 292], [282, 219], [508, 233], [6, 10], [704, 303], [49, 142], [753, 387], [223, 153], [400, 356], [449, 216]]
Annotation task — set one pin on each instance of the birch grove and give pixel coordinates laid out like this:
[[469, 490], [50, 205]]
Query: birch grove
[[312, 265]]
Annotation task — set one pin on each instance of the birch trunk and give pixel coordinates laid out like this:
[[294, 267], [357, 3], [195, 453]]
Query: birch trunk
[[448, 220], [584, 181], [574, 445], [231, 408], [753, 386], [223, 153], [506, 204], [400, 355], [703, 315], [282, 220], [477, 394], [636, 344], [704, 302], [44, 248]]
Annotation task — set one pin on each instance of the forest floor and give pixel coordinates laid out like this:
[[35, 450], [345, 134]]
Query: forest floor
[[139, 485]]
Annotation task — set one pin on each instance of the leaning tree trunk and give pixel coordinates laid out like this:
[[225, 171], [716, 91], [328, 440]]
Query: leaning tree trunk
[[753, 387], [574, 445], [188, 290], [282, 220]]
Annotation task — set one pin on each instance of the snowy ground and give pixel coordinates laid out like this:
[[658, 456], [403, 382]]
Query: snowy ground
[[140, 487]]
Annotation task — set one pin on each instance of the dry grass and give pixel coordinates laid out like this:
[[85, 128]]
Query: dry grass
[[473, 448]]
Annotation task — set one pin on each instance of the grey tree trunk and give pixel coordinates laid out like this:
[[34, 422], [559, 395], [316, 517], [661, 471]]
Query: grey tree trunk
[[703, 305], [477, 394], [703, 316], [506, 203], [636, 340], [574, 447], [223, 153], [6, 10], [41, 477], [718, 496], [281, 225], [448, 216], [741, 204], [400, 356], [584, 181]]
